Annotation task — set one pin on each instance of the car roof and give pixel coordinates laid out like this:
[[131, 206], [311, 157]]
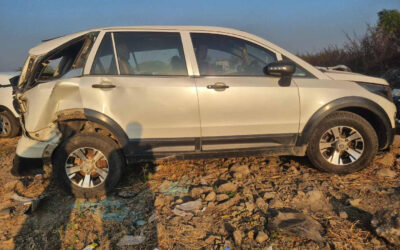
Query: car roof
[[52, 44]]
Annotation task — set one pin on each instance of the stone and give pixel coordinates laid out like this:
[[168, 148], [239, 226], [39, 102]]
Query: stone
[[240, 168], [182, 213], [355, 202], [261, 204], [139, 222], [386, 223], [9, 186], [261, 237], [5, 213], [190, 206], [222, 197], [313, 200], [130, 240], [237, 236], [386, 172], [250, 206], [295, 223], [229, 203], [294, 170], [227, 187], [269, 195], [211, 239], [343, 215], [211, 196], [159, 202], [196, 192], [250, 234], [152, 218]]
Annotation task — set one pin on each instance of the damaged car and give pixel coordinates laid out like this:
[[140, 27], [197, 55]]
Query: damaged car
[[9, 124], [93, 102]]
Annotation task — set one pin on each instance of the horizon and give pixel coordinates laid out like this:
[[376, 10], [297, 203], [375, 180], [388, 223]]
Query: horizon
[[299, 27]]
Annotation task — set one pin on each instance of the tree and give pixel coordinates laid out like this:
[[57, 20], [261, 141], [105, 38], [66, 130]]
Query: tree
[[389, 21]]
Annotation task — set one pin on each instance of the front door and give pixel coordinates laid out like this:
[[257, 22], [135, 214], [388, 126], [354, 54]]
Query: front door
[[146, 90], [241, 107]]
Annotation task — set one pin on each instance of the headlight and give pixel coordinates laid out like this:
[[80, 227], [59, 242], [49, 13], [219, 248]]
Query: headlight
[[382, 90]]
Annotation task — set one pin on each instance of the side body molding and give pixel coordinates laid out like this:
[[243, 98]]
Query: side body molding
[[347, 104]]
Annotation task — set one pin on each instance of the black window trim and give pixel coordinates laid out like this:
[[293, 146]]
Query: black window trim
[[251, 41], [138, 75]]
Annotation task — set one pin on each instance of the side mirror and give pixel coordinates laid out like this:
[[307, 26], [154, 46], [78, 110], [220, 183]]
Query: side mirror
[[280, 68]]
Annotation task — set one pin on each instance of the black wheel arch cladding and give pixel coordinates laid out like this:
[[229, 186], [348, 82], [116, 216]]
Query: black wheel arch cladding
[[380, 120]]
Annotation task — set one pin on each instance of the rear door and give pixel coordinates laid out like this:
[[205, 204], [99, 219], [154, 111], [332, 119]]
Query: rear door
[[241, 107], [141, 81]]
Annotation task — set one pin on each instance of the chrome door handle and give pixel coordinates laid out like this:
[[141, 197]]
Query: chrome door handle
[[103, 86], [218, 86]]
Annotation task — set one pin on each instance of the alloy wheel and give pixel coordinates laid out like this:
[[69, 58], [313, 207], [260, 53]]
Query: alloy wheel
[[5, 125], [341, 145], [87, 167]]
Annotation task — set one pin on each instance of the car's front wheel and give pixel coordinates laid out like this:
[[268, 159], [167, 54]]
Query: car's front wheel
[[9, 126], [89, 165], [343, 143]]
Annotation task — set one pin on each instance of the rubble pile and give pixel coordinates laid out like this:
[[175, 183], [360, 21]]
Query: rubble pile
[[235, 203]]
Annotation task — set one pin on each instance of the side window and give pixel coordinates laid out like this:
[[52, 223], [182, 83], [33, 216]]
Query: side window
[[68, 61], [229, 56], [150, 53], [104, 62], [300, 71]]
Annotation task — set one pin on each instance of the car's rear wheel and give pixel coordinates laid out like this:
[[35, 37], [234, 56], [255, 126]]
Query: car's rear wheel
[[344, 143], [89, 165], [9, 126]]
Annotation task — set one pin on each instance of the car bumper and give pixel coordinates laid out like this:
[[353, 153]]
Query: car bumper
[[33, 149], [28, 148]]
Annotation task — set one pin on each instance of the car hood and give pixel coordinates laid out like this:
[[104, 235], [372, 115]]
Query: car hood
[[355, 77], [5, 77]]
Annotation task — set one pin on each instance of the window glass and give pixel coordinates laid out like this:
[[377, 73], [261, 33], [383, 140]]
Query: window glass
[[300, 71], [224, 55], [104, 62], [67, 62], [150, 53]]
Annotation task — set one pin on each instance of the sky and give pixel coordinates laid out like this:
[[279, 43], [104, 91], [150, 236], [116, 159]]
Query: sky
[[299, 26]]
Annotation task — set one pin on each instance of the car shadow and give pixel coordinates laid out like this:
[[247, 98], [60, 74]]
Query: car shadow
[[125, 216]]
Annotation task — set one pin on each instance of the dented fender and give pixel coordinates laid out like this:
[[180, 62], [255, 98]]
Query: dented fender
[[45, 103]]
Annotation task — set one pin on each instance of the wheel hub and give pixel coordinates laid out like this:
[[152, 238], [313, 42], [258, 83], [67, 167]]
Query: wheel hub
[[86, 167], [5, 125], [341, 145]]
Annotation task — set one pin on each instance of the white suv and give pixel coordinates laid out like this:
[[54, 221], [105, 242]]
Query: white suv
[[99, 99], [9, 124]]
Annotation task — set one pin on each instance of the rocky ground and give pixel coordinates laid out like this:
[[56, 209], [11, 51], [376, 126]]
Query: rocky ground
[[235, 203]]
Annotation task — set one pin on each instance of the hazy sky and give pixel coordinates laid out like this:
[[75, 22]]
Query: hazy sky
[[297, 25]]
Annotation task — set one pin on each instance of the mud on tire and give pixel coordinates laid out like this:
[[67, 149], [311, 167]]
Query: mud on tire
[[349, 120], [68, 154]]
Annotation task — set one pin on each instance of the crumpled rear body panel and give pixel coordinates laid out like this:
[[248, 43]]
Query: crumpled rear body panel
[[46, 99]]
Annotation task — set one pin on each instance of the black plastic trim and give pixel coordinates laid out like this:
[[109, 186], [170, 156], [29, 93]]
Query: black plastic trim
[[343, 103], [144, 146], [141, 147], [108, 123], [282, 139]]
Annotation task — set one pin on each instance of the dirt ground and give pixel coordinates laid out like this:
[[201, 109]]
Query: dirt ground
[[234, 203]]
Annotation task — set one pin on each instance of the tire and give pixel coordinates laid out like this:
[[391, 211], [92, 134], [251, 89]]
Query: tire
[[365, 146], [9, 125], [68, 151]]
